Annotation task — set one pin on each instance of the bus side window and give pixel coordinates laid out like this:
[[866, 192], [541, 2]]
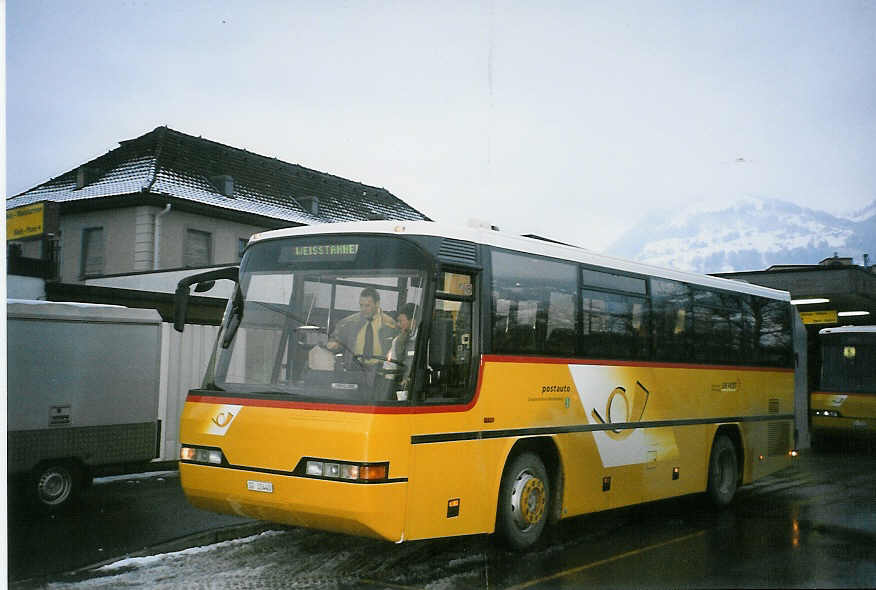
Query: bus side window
[[534, 301]]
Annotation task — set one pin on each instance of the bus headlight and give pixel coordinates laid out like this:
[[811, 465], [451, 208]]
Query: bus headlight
[[346, 471], [201, 455], [831, 413]]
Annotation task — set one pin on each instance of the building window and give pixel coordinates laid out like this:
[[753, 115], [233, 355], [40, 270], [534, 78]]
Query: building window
[[241, 246], [92, 251], [198, 250]]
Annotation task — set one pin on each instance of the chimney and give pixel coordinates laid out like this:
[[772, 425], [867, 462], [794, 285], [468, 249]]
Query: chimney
[[224, 184], [309, 204], [85, 175]]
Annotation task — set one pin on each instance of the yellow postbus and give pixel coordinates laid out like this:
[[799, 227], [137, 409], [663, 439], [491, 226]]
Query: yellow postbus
[[845, 402], [507, 382]]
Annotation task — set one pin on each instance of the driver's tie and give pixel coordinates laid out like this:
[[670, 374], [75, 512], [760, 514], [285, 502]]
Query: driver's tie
[[368, 350]]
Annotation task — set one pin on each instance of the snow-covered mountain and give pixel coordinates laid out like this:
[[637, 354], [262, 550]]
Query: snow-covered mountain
[[750, 234]]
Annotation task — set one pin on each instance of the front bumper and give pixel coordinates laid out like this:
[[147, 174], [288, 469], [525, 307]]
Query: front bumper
[[363, 509]]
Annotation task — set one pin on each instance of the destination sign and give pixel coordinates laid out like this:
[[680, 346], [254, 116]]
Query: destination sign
[[819, 317], [319, 253]]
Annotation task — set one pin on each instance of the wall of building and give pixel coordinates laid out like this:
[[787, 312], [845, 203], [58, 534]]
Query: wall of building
[[128, 235], [118, 235], [225, 236], [144, 252]]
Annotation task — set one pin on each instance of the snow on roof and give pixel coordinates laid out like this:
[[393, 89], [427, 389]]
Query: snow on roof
[[168, 164]]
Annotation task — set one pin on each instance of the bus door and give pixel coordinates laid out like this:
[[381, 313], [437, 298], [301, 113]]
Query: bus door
[[447, 482]]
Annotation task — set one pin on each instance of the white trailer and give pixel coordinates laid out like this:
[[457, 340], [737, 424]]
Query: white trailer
[[83, 392]]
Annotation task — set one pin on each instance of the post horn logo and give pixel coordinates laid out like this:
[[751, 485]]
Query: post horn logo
[[223, 419], [623, 409]]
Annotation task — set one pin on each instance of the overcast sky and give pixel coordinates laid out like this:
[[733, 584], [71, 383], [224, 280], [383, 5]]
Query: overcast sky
[[568, 119]]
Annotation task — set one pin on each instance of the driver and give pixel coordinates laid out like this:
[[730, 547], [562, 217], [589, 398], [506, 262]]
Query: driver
[[369, 332]]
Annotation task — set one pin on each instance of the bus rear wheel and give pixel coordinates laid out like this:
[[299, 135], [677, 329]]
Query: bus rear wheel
[[723, 471], [524, 501]]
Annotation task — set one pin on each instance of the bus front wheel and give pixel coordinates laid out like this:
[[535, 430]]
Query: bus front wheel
[[723, 471], [524, 501], [55, 485]]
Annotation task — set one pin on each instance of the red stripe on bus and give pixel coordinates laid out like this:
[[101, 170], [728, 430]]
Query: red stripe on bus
[[498, 358], [363, 409], [359, 409]]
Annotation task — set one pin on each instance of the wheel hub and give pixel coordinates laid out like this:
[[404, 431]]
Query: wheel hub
[[527, 500], [53, 486]]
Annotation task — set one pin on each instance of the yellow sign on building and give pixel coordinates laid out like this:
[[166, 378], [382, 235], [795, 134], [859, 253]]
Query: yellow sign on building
[[827, 316], [25, 222]]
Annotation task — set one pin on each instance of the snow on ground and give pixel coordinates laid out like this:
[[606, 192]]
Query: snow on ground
[[132, 476], [138, 562], [226, 561], [295, 558]]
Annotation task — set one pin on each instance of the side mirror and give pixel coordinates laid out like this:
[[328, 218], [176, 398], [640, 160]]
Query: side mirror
[[180, 307], [204, 286], [205, 282]]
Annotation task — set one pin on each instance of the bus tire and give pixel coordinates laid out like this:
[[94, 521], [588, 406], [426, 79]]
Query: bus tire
[[55, 485], [723, 471], [524, 501]]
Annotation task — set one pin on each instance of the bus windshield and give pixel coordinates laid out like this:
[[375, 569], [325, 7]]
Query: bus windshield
[[849, 362], [327, 318]]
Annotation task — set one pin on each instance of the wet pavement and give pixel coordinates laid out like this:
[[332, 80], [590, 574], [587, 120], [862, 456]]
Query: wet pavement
[[812, 525], [116, 516]]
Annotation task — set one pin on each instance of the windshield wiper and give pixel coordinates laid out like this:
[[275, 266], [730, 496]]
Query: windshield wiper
[[279, 308]]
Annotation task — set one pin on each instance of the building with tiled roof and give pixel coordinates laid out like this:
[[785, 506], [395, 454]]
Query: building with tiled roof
[[168, 200]]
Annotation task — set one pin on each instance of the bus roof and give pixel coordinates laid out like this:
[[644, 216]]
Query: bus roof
[[848, 330], [521, 244]]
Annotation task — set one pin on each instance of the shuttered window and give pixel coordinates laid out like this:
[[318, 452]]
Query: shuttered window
[[197, 248], [92, 251]]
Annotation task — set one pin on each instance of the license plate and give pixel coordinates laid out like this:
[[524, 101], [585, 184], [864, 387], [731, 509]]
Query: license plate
[[259, 486]]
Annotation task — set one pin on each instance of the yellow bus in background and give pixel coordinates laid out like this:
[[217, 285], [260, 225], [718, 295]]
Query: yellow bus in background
[[845, 403], [538, 381]]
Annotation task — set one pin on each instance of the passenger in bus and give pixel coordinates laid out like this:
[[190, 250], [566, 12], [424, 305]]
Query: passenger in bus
[[401, 352], [368, 332]]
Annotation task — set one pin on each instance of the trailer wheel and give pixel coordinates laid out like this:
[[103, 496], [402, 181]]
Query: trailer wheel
[[56, 485], [524, 501], [723, 472]]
